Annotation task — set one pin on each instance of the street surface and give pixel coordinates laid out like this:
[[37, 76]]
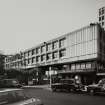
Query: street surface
[[62, 98]]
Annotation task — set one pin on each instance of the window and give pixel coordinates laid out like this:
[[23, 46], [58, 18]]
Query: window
[[49, 47], [102, 17], [19, 64], [62, 42], [77, 66], [43, 49], [33, 51], [72, 66], [43, 57], [37, 50], [6, 65], [99, 18], [102, 23], [26, 54], [88, 65], [83, 66], [25, 62], [55, 55], [103, 11], [37, 58], [62, 53], [55, 44], [29, 53], [99, 12], [29, 61], [49, 56], [33, 59]]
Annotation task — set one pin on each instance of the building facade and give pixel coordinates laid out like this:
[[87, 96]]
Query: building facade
[[102, 17], [2, 63], [79, 54]]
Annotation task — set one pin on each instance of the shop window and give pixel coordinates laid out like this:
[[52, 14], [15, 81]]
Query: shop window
[[88, 66], [78, 66], [83, 66], [72, 66]]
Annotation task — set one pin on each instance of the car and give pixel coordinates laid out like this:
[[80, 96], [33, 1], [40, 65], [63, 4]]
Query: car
[[66, 85], [17, 97], [97, 88], [10, 83]]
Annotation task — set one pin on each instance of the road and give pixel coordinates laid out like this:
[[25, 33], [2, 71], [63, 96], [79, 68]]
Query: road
[[62, 98]]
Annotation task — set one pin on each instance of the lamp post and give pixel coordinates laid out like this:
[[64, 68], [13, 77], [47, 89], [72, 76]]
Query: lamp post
[[50, 76]]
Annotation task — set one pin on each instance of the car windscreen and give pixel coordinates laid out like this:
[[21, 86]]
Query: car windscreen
[[101, 82], [14, 82], [67, 81]]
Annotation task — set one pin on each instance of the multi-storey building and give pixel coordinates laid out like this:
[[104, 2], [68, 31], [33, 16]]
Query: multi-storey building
[[79, 54], [102, 17], [2, 58]]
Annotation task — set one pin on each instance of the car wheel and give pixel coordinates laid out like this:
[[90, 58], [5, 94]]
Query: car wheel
[[91, 92], [53, 89], [71, 90]]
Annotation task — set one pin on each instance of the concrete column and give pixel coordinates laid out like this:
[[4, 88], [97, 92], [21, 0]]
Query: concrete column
[[50, 69]]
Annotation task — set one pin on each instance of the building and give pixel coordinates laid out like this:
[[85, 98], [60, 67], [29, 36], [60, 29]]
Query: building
[[102, 17], [2, 59], [79, 54]]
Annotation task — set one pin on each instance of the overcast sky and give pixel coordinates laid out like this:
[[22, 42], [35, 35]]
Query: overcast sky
[[27, 23]]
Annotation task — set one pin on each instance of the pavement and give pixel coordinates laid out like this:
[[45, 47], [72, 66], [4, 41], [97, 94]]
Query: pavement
[[47, 87]]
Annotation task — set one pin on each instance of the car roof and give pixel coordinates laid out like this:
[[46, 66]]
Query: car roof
[[8, 90], [67, 79], [10, 79]]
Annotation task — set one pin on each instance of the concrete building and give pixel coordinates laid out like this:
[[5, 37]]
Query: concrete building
[[102, 17], [2, 59], [78, 54]]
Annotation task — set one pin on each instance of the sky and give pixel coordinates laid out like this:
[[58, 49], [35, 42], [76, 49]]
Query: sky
[[27, 23]]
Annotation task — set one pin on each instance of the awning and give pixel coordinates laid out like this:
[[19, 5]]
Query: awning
[[78, 71]]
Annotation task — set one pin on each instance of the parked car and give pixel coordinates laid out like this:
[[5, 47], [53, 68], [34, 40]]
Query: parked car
[[17, 97], [67, 85], [8, 83], [97, 88]]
